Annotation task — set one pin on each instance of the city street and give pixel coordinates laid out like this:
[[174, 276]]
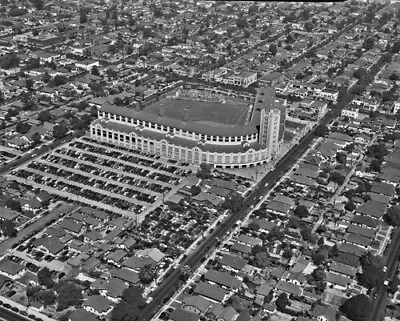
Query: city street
[[169, 285]]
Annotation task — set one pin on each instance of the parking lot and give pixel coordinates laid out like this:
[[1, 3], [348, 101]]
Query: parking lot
[[98, 173]]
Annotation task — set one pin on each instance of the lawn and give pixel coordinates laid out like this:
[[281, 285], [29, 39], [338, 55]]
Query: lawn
[[27, 277], [229, 114]]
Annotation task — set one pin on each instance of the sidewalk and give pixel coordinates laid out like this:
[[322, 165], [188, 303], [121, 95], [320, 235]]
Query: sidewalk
[[24, 308]]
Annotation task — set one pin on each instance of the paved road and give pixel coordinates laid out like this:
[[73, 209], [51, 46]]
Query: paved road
[[394, 251], [169, 285], [11, 316], [40, 151], [36, 226]]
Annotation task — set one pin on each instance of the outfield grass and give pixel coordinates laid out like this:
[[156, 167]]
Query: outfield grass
[[230, 113]]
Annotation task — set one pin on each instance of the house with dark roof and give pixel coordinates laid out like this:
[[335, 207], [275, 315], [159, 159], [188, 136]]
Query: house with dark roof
[[338, 281], [196, 304], [183, 315], [382, 188], [112, 288], [210, 291], [72, 226], [136, 262], [324, 313], [50, 244], [80, 315], [220, 313], [11, 269], [249, 240], [232, 262], [126, 275], [224, 279], [348, 259], [98, 305], [372, 209], [358, 240], [278, 208], [289, 288], [343, 269], [116, 257]]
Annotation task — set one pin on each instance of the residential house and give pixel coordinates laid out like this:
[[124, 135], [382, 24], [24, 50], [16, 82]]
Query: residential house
[[80, 314], [11, 269], [210, 291], [98, 304], [112, 288], [183, 315], [223, 279], [196, 304]]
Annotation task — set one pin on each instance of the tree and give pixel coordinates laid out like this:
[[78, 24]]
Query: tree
[[59, 80], [272, 49], [11, 61], [375, 165], [301, 211], [233, 202], [282, 301], [307, 235], [125, 311], [111, 74], [8, 228], [242, 23], [82, 105], [32, 293], [38, 4], [319, 274], [357, 308], [333, 251], [76, 123], [29, 84], [205, 170], [130, 305], [22, 128], [287, 253], [392, 215], [95, 71], [337, 178], [44, 116], [276, 234], [36, 138], [44, 277], [396, 47], [318, 258], [394, 77], [372, 272], [195, 190], [262, 259], [368, 43], [308, 26], [350, 206], [82, 16], [341, 157], [357, 89], [13, 205], [321, 130], [46, 77], [254, 226], [147, 274], [68, 294], [47, 297], [60, 131], [360, 73]]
